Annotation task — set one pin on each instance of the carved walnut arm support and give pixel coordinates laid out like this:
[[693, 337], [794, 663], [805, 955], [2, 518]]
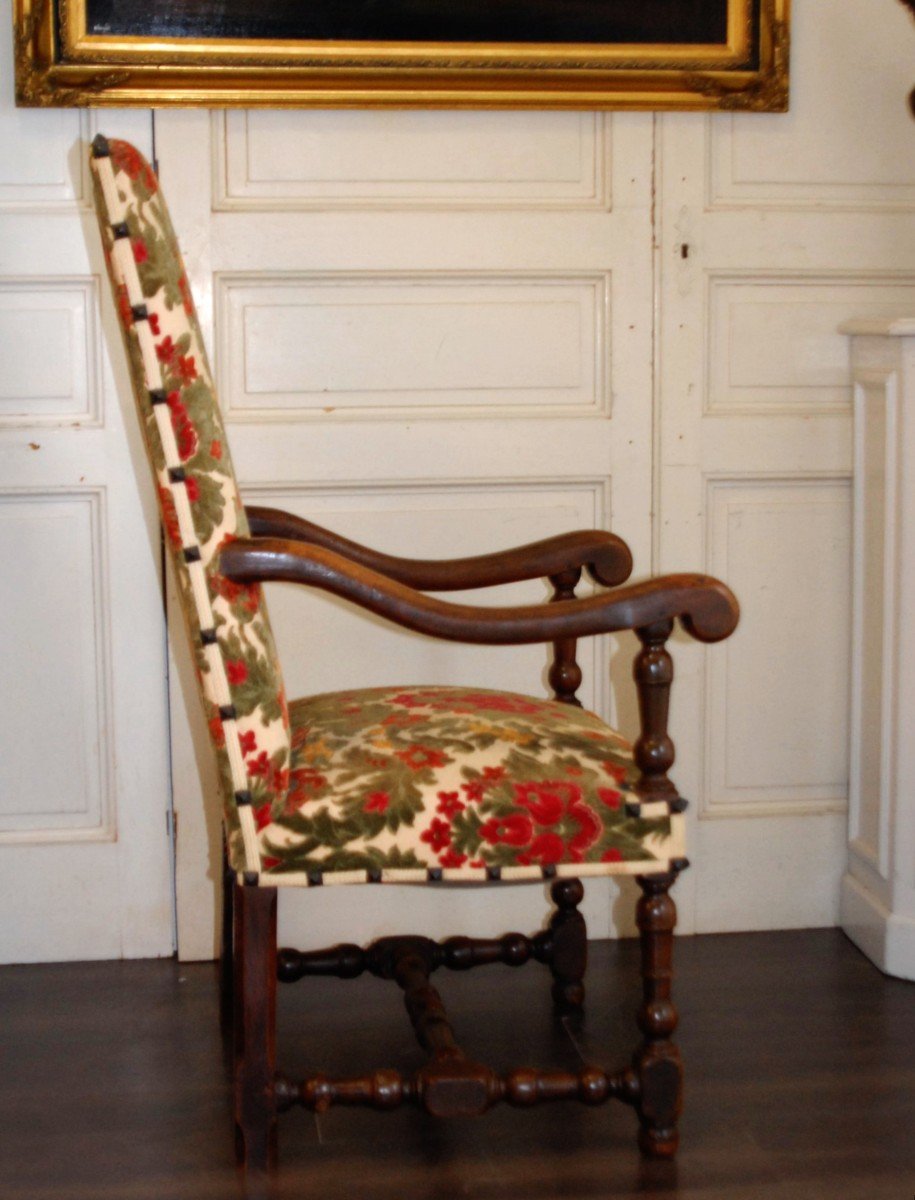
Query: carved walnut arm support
[[706, 608], [605, 556]]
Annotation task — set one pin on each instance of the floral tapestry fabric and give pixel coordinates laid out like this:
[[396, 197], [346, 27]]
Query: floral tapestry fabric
[[396, 782], [201, 511]]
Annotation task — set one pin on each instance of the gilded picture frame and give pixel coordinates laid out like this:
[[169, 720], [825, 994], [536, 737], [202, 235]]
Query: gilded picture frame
[[550, 54]]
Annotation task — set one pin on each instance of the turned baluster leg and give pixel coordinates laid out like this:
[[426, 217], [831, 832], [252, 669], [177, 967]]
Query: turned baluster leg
[[569, 941], [657, 1063], [653, 750], [565, 673], [255, 1027]]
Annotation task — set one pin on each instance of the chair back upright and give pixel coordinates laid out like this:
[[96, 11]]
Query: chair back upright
[[231, 641]]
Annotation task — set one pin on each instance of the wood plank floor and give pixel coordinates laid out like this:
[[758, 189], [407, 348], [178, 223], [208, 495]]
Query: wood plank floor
[[800, 1058]]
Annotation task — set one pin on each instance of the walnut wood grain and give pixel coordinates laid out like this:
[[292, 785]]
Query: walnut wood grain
[[523, 1087], [657, 1063], [569, 946], [457, 953], [606, 557], [565, 673], [653, 751], [705, 606], [255, 1027]]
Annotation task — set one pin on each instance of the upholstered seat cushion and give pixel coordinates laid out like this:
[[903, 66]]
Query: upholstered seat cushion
[[417, 783]]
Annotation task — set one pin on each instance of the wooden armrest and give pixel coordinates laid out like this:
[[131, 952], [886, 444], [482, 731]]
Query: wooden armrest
[[706, 608], [605, 556]]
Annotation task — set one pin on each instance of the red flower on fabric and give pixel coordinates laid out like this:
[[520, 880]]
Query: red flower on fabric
[[125, 157], [418, 758], [493, 774], [185, 433], [268, 862], [236, 670], [186, 298], [186, 368], [517, 829], [451, 858], [438, 835], [247, 741], [376, 802], [557, 802], [546, 802], [262, 816], [259, 766], [449, 805], [154, 324], [216, 449], [612, 855], [477, 788], [477, 862], [166, 350], [499, 703], [545, 849], [246, 594], [589, 828], [192, 487], [614, 770], [609, 796], [169, 517], [305, 783], [125, 312], [217, 733], [140, 253], [279, 779]]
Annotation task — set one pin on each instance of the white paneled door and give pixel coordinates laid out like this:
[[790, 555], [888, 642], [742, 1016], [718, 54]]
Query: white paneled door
[[432, 333], [84, 846], [773, 231]]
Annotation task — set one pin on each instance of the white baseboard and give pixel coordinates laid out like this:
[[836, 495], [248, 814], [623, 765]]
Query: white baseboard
[[887, 939]]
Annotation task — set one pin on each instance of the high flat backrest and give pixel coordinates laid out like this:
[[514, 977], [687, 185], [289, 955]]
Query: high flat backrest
[[232, 644]]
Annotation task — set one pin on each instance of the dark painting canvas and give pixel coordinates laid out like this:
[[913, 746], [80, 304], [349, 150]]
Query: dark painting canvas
[[642, 22]]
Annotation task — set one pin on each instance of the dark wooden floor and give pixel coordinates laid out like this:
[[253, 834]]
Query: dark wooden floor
[[800, 1059]]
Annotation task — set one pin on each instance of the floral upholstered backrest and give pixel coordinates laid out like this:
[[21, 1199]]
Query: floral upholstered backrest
[[240, 682]]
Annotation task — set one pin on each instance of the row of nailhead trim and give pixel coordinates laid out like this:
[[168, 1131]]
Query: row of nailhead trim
[[317, 878]]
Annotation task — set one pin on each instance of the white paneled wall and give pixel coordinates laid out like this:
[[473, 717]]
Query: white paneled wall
[[293, 347], [445, 332], [84, 795]]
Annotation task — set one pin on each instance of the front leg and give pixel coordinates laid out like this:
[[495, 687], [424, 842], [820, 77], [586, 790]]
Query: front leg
[[657, 1063], [569, 943]]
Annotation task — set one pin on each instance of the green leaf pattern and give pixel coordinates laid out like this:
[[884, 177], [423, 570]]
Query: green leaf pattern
[[240, 618], [458, 779]]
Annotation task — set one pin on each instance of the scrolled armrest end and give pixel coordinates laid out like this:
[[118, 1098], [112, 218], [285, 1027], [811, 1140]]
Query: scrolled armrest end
[[715, 613]]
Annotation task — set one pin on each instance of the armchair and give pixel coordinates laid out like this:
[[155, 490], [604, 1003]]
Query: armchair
[[427, 786]]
